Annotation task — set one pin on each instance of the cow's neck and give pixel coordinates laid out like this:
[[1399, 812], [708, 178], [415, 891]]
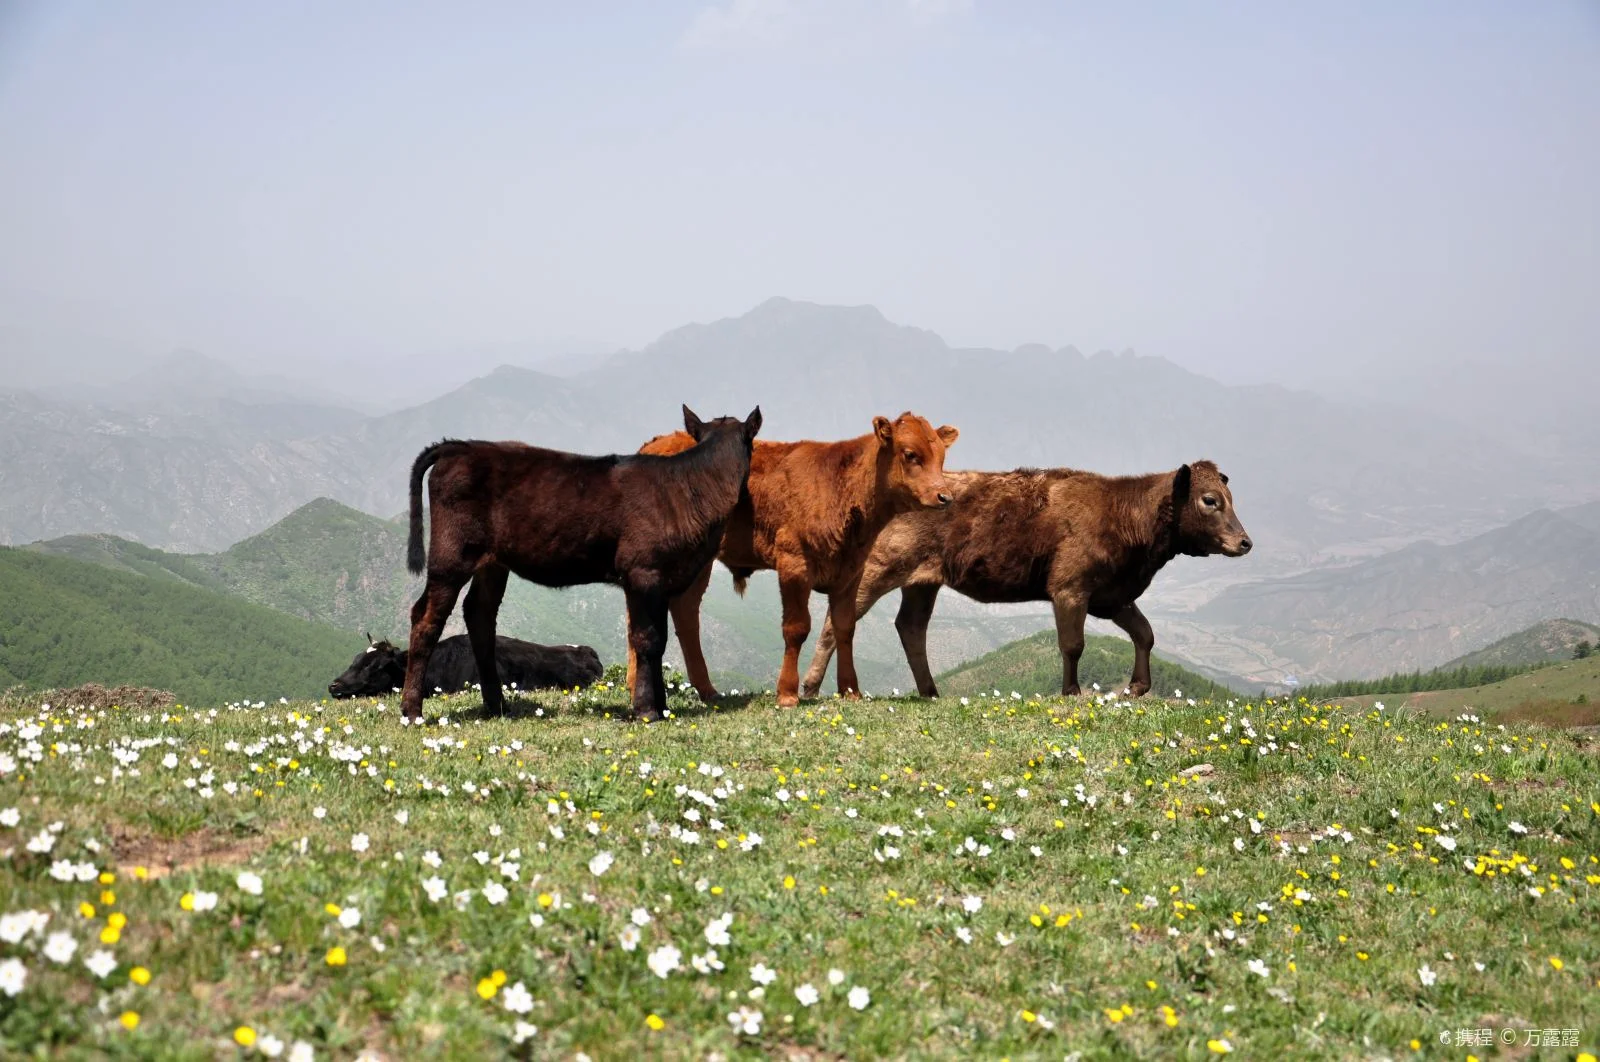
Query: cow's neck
[[865, 502], [1147, 530]]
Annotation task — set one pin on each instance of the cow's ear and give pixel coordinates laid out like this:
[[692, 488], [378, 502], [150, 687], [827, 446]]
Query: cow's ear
[[368, 636], [1224, 478], [693, 424], [1181, 481], [949, 434], [883, 429], [752, 424]]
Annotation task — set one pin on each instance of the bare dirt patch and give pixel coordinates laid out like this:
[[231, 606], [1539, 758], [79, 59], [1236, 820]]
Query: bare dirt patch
[[205, 847]]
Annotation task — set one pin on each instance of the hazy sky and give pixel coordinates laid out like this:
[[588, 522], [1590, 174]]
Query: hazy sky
[[1256, 191]]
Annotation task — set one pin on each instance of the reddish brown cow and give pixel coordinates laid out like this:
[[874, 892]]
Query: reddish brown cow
[[1089, 544], [647, 524], [812, 512]]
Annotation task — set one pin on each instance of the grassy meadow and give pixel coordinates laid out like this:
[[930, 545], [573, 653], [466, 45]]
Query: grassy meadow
[[994, 877]]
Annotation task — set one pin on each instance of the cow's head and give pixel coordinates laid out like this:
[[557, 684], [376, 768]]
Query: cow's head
[[701, 430], [379, 668], [1204, 506], [914, 450]]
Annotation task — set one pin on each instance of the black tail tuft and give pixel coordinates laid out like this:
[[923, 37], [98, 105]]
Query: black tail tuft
[[741, 576], [416, 552]]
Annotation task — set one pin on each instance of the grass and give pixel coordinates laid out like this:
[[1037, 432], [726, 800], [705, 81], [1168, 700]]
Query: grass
[[1003, 877]]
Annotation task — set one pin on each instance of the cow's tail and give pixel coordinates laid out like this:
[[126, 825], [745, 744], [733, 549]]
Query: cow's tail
[[741, 577], [416, 552]]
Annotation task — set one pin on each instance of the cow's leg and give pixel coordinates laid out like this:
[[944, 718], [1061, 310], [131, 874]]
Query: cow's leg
[[867, 595], [647, 637], [685, 609], [1130, 619], [480, 609], [794, 586], [911, 623], [428, 616], [1071, 610], [842, 615]]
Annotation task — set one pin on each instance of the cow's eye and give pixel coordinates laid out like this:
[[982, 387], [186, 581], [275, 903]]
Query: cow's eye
[[912, 458], [1209, 501]]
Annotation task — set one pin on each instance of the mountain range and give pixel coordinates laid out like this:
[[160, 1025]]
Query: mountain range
[[1355, 508]]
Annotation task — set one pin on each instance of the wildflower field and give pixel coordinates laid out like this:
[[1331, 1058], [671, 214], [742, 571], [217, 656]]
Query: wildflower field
[[990, 878]]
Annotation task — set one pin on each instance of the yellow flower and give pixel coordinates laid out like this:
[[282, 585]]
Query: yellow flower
[[186, 901], [86, 910], [655, 1022], [333, 909], [499, 978], [545, 899], [788, 881], [108, 897], [487, 988], [117, 920], [107, 878], [1557, 963], [129, 1020], [1114, 1016], [1169, 1016], [335, 956], [1030, 1016], [139, 976], [244, 1036], [141, 873], [1416, 1045], [110, 935], [1219, 1047]]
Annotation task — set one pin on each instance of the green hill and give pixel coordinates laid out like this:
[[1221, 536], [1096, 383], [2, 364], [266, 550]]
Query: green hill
[[1542, 643], [331, 564], [67, 622], [1560, 694], [1033, 665]]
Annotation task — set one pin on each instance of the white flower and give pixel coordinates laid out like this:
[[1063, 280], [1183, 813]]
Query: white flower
[[42, 842], [836, 976], [60, 947], [359, 842], [807, 994], [629, 937], [269, 1045], [1259, 968], [350, 917], [972, 904], [1004, 940], [762, 974], [708, 962], [517, 999], [319, 813], [664, 960], [302, 1052], [431, 858], [13, 975], [522, 1032], [640, 917], [249, 882], [61, 870], [859, 998], [13, 927], [1446, 842], [746, 1021], [601, 863], [101, 963], [435, 888], [1426, 975], [10, 817], [402, 816], [495, 893], [1516, 827], [204, 901], [717, 930]]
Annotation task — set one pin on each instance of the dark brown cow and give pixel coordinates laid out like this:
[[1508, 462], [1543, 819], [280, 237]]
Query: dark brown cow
[[380, 667], [646, 523], [1089, 544], [812, 512]]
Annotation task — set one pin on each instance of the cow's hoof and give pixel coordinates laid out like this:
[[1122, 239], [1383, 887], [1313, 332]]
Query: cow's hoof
[[808, 690], [1071, 691], [850, 695], [788, 700], [648, 716], [708, 695], [1138, 689]]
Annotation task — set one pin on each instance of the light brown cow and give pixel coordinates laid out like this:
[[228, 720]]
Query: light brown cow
[[1087, 543], [813, 511]]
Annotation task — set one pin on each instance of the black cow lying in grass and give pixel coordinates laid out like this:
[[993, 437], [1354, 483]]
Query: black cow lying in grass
[[381, 668]]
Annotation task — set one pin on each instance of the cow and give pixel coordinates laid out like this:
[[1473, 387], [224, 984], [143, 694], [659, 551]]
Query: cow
[[812, 513], [647, 523], [381, 667], [1088, 544]]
